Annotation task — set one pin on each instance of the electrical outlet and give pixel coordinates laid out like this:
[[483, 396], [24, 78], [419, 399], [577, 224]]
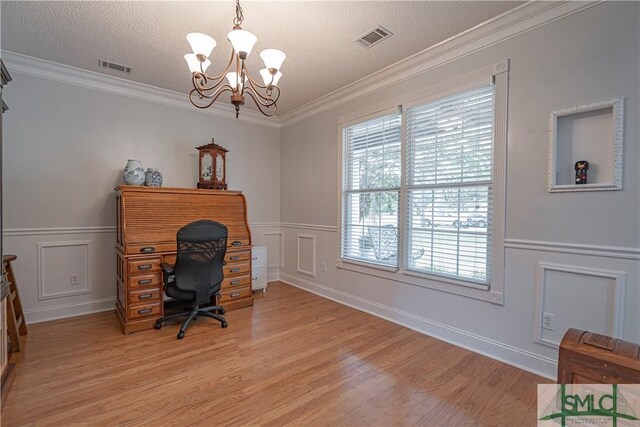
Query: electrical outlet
[[75, 279], [547, 321], [324, 267]]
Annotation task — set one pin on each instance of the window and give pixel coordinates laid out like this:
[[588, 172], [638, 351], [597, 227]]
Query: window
[[418, 187], [371, 190], [449, 185]]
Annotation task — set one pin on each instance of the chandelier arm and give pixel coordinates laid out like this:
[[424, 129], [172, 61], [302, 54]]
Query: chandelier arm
[[259, 97], [260, 105], [213, 97], [255, 82], [269, 90], [200, 86]]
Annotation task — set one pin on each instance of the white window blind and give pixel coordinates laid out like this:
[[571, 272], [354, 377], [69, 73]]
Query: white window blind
[[370, 190], [450, 185]]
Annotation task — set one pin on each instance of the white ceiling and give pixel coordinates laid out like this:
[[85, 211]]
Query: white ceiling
[[316, 36]]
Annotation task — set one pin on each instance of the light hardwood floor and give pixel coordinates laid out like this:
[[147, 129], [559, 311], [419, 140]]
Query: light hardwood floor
[[294, 358]]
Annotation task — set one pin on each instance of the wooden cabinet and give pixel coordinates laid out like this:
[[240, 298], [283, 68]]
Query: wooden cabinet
[[589, 358], [148, 219]]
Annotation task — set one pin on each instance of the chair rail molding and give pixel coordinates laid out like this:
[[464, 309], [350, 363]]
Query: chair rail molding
[[329, 228], [519, 20], [36, 67], [574, 248], [14, 232]]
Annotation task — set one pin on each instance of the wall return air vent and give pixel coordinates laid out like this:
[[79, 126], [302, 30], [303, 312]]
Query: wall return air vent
[[115, 67], [373, 37]]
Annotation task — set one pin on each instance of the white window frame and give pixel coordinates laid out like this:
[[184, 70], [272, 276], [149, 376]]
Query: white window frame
[[498, 73], [372, 116]]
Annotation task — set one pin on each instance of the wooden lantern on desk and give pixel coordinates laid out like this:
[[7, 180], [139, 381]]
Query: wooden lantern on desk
[[212, 170]]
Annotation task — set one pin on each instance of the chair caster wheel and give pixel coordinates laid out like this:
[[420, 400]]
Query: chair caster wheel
[[224, 324], [180, 335], [158, 325]]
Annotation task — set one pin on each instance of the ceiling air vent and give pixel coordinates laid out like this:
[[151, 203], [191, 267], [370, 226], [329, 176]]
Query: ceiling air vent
[[115, 67], [373, 37]]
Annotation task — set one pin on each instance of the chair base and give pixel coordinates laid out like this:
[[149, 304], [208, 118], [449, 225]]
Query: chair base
[[192, 314]]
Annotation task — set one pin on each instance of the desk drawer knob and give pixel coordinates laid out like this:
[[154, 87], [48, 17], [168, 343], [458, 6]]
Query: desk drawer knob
[[254, 258], [145, 296], [144, 282], [255, 278], [234, 294], [234, 270], [236, 243], [148, 250], [145, 311], [235, 282], [145, 267], [234, 258]]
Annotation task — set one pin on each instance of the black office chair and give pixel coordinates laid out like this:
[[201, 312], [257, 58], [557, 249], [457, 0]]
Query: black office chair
[[197, 274]]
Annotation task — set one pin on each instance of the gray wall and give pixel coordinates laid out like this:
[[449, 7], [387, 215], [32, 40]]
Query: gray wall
[[587, 57], [64, 150]]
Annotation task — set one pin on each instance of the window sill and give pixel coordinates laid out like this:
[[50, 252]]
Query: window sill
[[438, 283]]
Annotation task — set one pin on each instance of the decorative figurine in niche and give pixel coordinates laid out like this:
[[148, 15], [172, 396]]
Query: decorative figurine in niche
[[581, 167], [212, 169]]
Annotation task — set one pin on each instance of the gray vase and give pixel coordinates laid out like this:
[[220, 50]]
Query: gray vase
[[133, 173], [153, 178]]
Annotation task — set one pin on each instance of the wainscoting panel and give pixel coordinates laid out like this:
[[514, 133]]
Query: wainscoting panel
[[274, 242], [48, 257], [64, 269], [569, 296], [307, 254], [269, 234]]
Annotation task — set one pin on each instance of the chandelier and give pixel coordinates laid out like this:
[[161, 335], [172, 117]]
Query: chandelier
[[207, 89]]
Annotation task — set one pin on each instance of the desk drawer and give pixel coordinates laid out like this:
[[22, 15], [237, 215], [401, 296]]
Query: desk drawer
[[237, 256], [235, 282], [234, 294], [147, 310], [144, 296], [150, 248], [238, 241], [144, 265], [144, 280], [231, 270]]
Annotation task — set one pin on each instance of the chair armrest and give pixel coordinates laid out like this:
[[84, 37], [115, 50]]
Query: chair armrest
[[167, 268], [168, 274]]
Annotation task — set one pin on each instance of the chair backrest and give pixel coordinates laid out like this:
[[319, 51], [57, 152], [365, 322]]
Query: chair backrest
[[202, 246]]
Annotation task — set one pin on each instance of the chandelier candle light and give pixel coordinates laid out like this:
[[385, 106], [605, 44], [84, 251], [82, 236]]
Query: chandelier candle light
[[207, 89]]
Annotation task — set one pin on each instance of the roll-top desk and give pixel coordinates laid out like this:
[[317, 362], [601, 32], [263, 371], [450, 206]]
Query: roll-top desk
[[148, 219]]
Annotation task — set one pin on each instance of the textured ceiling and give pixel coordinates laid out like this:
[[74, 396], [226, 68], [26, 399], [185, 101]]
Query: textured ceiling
[[316, 36]]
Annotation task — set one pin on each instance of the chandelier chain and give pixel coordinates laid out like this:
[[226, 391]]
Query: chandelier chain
[[239, 16]]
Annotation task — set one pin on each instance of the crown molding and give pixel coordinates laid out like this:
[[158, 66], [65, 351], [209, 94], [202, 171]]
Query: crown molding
[[519, 20], [35, 67]]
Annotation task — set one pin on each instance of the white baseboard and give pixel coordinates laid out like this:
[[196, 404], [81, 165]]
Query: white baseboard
[[273, 274], [514, 356], [62, 311]]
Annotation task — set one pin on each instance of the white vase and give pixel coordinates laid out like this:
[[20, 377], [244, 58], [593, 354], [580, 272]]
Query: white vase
[[133, 173]]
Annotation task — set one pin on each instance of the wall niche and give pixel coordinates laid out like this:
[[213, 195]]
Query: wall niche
[[594, 133]]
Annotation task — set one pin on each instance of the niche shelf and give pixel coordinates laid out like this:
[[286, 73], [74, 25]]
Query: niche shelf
[[594, 133]]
